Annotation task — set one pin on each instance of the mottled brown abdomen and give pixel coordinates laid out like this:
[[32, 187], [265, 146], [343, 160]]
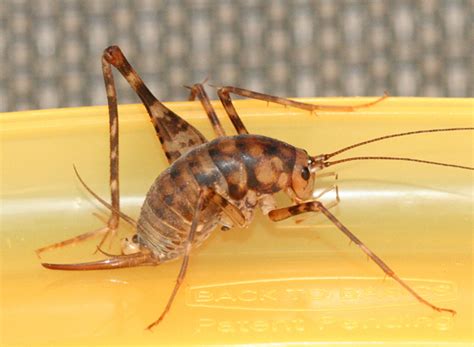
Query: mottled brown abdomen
[[233, 166]]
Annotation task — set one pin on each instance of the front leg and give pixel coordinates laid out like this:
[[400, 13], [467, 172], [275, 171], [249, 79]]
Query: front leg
[[316, 206]]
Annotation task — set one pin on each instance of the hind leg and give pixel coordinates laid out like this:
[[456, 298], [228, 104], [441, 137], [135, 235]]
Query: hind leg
[[167, 125], [113, 221]]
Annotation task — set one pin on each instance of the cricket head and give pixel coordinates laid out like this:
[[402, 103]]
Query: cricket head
[[302, 177]]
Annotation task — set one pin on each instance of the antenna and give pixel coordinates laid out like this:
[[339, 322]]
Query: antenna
[[327, 156], [320, 161], [330, 163]]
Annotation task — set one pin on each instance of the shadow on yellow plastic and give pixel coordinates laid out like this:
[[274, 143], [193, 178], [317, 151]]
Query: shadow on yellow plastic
[[274, 282]]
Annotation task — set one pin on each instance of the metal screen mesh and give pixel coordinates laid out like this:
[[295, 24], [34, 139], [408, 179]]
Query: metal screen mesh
[[51, 50]]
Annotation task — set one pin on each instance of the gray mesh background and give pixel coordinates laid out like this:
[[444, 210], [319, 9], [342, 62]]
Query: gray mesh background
[[50, 50]]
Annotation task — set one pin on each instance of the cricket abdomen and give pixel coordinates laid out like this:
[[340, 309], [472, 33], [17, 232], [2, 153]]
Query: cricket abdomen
[[167, 213]]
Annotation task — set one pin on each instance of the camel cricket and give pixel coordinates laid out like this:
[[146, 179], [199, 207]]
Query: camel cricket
[[215, 183]]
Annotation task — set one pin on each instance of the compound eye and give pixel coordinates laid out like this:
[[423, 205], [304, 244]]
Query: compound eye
[[135, 238], [305, 173]]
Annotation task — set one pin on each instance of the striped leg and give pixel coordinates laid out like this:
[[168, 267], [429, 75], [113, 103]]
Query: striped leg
[[206, 196], [175, 134], [184, 264], [224, 96], [329, 205], [316, 206], [113, 222], [197, 91]]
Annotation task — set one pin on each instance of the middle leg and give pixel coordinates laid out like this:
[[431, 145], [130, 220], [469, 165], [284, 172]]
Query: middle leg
[[224, 96], [205, 196], [198, 91]]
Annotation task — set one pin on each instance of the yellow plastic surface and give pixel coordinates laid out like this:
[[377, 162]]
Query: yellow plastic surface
[[272, 283]]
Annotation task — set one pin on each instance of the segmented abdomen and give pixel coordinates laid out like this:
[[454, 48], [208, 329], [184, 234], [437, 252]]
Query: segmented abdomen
[[167, 214]]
